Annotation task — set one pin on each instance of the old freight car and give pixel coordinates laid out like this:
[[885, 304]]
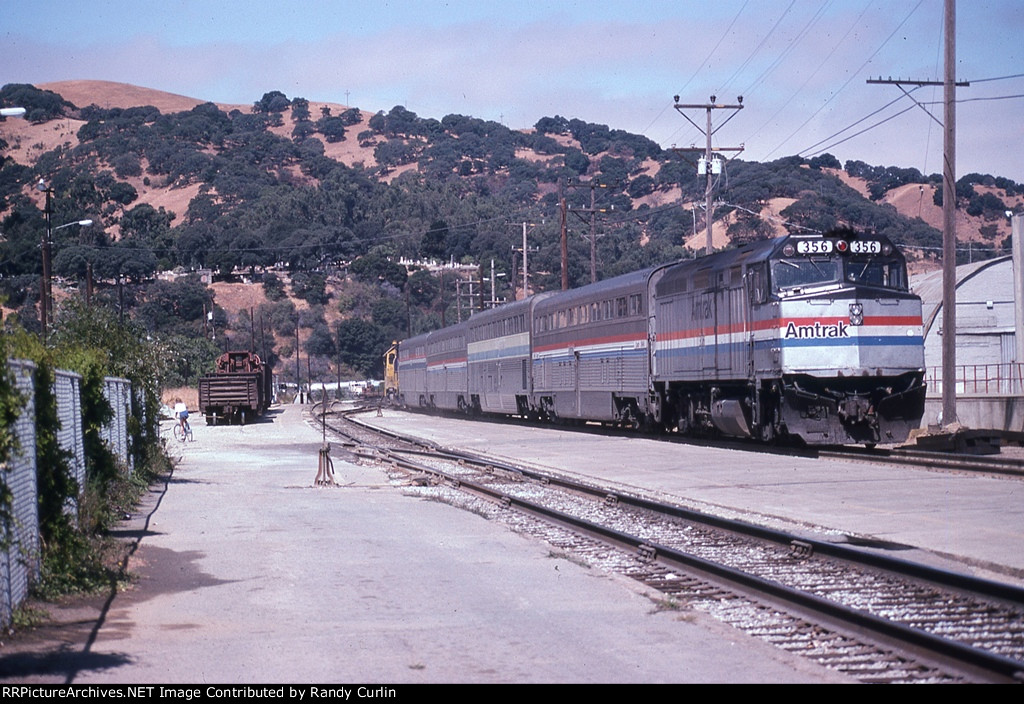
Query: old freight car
[[238, 391]]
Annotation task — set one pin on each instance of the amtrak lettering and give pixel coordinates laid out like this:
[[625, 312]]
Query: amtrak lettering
[[840, 329]]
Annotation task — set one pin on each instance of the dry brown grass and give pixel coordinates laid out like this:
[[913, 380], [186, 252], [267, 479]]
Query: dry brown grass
[[188, 395]]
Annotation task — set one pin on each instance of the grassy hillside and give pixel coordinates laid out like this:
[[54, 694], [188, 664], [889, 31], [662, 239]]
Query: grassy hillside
[[302, 213]]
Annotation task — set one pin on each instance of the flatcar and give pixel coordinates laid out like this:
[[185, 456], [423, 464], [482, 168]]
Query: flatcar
[[238, 391], [814, 337]]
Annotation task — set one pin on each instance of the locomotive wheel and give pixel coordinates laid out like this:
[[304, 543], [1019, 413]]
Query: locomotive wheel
[[683, 424], [629, 418]]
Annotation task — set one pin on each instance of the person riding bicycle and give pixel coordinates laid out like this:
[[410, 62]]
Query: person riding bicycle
[[181, 413]]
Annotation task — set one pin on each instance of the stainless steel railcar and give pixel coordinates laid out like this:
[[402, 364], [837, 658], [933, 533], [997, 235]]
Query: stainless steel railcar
[[816, 337], [591, 353], [498, 353], [446, 369], [432, 370]]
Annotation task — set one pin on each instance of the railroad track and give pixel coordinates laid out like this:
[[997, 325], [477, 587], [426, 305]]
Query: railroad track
[[902, 456], [872, 617], [987, 464]]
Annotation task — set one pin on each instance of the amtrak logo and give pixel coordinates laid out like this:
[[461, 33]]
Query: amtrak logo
[[817, 331]]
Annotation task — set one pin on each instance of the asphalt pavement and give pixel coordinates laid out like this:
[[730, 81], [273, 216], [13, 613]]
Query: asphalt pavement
[[245, 572]]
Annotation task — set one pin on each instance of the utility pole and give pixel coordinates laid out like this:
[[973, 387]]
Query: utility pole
[[46, 282], [1017, 241], [707, 168], [443, 304], [46, 290], [525, 250], [949, 85], [480, 275], [593, 210], [949, 221], [458, 300], [593, 238], [494, 289], [526, 268], [298, 356], [563, 230]]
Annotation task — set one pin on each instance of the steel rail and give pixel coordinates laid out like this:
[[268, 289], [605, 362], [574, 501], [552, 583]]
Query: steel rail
[[1003, 668], [854, 555], [1010, 467], [998, 665]]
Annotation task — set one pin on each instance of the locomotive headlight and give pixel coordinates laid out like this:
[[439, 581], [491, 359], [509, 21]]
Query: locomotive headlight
[[887, 249], [856, 314], [842, 246]]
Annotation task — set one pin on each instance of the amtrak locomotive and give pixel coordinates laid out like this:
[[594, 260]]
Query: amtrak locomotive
[[815, 337]]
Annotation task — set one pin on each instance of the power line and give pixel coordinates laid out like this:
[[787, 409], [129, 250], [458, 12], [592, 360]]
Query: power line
[[853, 75], [857, 134], [700, 66], [854, 124], [753, 53], [814, 73], [997, 78], [792, 45]]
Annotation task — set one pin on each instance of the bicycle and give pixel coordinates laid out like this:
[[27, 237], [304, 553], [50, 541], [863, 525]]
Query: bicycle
[[182, 434]]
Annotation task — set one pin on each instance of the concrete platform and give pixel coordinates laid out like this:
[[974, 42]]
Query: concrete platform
[[973, 523], [247, 573]]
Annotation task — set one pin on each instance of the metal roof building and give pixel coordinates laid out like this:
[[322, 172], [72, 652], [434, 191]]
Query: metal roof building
[[987, 371]]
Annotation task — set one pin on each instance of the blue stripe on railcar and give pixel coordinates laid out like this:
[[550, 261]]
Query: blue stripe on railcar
[[760, 345]]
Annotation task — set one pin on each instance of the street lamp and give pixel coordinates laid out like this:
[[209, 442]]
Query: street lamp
[[46, 284], [83, 223]]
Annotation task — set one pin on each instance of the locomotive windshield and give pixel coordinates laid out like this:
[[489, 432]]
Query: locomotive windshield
[[804, 272], [886, 272], [795, 275]]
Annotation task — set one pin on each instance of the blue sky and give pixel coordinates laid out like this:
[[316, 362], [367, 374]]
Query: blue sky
[[801, 65]]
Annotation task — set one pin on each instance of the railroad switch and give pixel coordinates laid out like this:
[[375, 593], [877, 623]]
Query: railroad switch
[[325, 467]]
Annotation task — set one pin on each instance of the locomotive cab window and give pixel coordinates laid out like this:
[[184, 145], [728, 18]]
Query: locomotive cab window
[[884, 272], [794, 275], [788, 275]]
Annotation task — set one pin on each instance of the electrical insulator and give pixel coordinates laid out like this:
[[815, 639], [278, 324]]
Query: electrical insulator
[[702, 166]]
